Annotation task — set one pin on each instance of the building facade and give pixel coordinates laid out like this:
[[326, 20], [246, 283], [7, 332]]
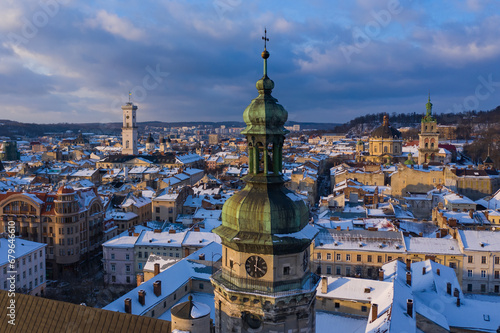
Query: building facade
[[70, 223]]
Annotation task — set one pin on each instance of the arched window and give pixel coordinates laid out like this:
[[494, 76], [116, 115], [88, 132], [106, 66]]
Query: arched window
[[126, 144], [432, 144], [426, 145]]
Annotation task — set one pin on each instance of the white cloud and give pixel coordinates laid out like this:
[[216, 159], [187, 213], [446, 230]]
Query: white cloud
[[115, 25]]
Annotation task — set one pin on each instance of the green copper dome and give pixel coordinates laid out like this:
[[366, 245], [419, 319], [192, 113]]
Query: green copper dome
[[253, 217]]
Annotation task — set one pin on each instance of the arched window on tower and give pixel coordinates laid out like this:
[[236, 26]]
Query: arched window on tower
[[127, 144]]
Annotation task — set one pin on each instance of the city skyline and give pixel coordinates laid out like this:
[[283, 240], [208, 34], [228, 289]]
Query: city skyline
[[191, 61]]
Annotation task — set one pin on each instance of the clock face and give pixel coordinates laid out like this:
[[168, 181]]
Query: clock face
[[305, 260], [256, 266]]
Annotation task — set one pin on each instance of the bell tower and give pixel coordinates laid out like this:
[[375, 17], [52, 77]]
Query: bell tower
[[129, 129], [265, 283], [428, 145]]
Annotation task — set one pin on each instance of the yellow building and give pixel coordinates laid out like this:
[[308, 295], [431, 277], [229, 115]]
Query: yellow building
[[360, 253], [385, 144]]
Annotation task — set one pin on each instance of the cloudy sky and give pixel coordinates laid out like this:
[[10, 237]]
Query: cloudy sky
[[184, 60]]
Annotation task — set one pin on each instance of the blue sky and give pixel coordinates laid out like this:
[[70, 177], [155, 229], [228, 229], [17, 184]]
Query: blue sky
[[74, 61]]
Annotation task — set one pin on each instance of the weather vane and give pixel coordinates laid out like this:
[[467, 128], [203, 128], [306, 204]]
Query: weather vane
[[265, 38]]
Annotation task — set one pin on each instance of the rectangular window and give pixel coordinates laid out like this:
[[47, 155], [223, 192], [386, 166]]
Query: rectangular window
[[369, 258], [328, 256], [339, 257], [469, 287], [389, 258], [145, 254], [470, 259], [338, 270], [139, 255], [497, 274], [140, 265], [113, 267], [29, 271], [497, 260], [358, 257], [469, 273], [379, 258], [127, 257], [347, 270], [363, 308], [318, 256], [337, 305], [113, 278], [112, 256], [348, 257], [453, 265], [128, 279], [483, 288], [286, 270], [177, 255], [202, 286], [483, 260], [127, 268], [329, 270], [483, 273]]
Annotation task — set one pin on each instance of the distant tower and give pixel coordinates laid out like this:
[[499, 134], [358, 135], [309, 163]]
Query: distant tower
[[163, 144], [265, 283], [150, 143], [129, 130], [429, 137]]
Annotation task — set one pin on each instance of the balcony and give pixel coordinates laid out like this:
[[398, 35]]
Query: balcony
[[276, 289]]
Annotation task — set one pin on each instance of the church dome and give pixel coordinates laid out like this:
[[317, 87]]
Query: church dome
[[150, 139], [386, 131]]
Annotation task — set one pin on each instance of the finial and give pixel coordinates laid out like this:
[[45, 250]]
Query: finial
[[265, 54], [265, 38], [129, 96]]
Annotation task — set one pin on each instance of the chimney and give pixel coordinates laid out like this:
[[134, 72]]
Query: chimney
[[130, 232], [408, 264], [438, 271], [142, 297], [381, 274], [171, 231], [324, 285], [140, 279], [347, 229], [409, 307], [448, 288], [338, 228], [374, 312], [458, 302], [196, 228], [157, 231], [456, 293], [128, 305], [471, 213], [423, 270], [201, 256], [408, 278], [157, 269], [438, 234], [157, 288]]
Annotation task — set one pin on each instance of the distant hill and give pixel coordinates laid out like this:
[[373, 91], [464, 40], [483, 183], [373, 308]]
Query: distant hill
[[365, 124], [15, 129]]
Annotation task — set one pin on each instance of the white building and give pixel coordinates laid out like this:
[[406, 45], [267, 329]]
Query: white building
[[29, 267]]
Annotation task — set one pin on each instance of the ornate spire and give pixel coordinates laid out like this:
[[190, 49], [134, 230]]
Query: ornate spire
[[428, 106]]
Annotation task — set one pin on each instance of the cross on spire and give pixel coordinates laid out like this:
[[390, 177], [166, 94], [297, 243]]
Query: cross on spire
[[265, 38]]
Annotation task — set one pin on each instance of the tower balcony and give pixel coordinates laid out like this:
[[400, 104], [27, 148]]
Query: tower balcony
[[286, 288]]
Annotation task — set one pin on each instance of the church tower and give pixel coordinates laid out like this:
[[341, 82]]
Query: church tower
[[428, 138], [265, 283], [129, 130]]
